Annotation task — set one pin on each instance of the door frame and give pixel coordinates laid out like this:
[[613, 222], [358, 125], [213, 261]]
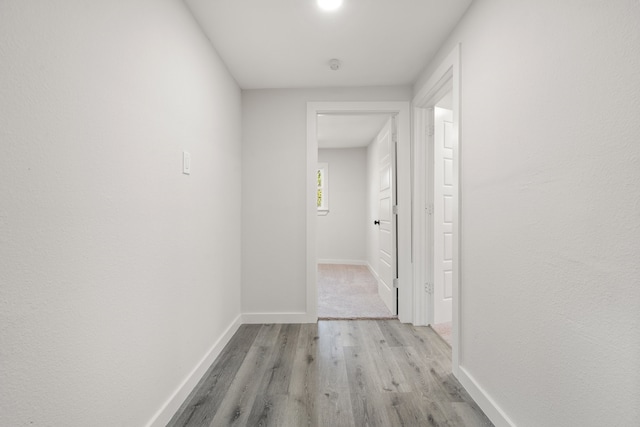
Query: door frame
[[402, 110], [444, 79]]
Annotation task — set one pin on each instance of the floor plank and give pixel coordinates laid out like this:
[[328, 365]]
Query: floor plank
[[204, 401], [366, 402], [333, 373], [334, 409], [235, 407], [390, 377], [404, 409], [301, 404], [271, 400]]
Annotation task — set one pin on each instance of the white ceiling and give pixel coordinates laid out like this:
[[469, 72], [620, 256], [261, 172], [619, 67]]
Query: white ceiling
[[348, 130], [288, 43]]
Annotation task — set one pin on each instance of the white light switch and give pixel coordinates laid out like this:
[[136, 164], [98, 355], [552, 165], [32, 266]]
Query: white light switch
[[186, 163]]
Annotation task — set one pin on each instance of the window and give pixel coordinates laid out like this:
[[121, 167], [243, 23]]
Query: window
[[322, 179]]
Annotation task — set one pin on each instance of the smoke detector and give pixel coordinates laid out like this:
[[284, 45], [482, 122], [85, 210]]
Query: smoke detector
[[334, 64]]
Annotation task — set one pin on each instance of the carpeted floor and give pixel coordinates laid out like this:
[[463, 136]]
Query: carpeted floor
[[349, 292], [444, 330]]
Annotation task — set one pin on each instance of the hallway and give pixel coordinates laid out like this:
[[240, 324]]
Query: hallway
[[158, 178]]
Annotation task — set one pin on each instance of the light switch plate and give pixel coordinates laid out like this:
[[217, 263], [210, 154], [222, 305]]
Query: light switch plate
[[186, 163]]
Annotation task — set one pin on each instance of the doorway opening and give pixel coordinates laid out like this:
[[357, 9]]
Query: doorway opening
[[440, 218], [356, 229], [437, 232], [396, 220]]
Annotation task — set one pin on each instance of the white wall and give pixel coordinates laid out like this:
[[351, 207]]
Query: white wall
[[550, 211], [117, 272], [341, 233], [274, 173]]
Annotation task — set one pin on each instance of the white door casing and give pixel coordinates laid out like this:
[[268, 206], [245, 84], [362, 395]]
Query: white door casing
[[401, 109], [443, 232], [386, 217], [445, 78]]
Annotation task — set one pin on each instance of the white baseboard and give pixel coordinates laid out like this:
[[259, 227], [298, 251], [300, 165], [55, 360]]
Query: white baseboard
[[342, 261], [372, 271], [486, 403], [167, 411], [257, 318]]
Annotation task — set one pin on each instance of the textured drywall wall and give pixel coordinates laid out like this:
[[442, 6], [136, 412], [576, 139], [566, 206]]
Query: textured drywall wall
[[117, 272], [274, 173], [341, 232], [550, 182]]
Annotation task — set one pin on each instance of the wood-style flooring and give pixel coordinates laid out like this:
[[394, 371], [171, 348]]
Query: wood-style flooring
[[334, 374]]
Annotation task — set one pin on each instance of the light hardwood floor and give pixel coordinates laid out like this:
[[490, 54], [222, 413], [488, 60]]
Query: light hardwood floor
[[334, 374]]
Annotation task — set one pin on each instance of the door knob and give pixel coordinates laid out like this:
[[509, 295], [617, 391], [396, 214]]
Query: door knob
[[376, 222]]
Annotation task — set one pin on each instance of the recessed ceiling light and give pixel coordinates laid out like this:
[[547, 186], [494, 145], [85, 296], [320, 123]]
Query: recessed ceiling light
[[329, 5]]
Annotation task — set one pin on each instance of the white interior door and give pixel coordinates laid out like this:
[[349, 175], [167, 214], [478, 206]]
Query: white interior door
[[443, 216], [386, 217]]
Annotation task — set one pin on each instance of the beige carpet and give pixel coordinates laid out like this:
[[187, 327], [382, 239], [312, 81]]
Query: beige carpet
[[444, 330], [349, 292]]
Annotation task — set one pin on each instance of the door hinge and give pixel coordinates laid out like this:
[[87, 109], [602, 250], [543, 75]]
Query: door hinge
[[395, 209], [429, 209], [431, 130], [395, 283], [428, 288]]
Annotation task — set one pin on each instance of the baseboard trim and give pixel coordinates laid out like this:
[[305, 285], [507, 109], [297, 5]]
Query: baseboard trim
[[372, 271], [168, 410], [257, 318], [486, 402], [342, 261]]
